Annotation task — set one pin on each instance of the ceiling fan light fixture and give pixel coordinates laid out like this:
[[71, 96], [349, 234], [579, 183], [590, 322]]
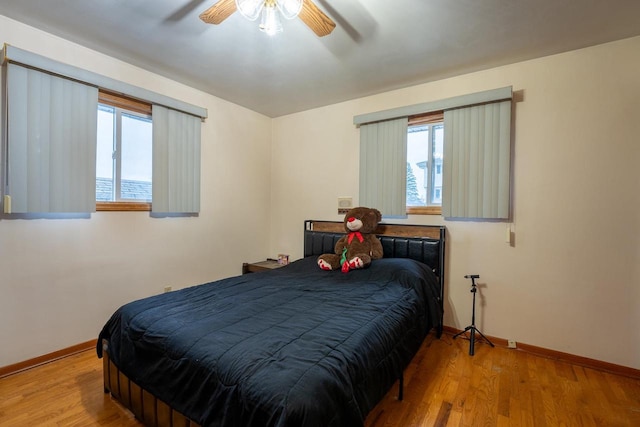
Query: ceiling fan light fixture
[[290, 9], [250, 9], [306, 10], [270, 23]]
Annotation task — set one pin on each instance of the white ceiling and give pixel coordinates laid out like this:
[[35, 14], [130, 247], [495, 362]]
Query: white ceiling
[[378, 45]]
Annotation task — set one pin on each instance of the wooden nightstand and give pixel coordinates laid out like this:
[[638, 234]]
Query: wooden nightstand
[[254, 267]]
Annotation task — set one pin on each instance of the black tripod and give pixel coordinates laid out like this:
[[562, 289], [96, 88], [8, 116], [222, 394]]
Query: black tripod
[[472, 328]]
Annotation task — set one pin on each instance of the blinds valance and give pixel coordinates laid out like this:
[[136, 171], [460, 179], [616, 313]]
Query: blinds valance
[[11, 54], [485, 97]]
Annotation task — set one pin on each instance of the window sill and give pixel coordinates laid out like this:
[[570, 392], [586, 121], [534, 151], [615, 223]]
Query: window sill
[[424, 210], [123, 206]]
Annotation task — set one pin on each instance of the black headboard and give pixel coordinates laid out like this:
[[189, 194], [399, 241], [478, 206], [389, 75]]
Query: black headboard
[[424, 243], [419, 242]]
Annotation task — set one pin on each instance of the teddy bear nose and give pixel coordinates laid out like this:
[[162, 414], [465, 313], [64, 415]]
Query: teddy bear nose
[[351, 219]]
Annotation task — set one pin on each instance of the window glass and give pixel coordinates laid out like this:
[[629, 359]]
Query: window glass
[[437, 150], [136, 158], [124, 155], [104, 154], [417, 165], [424, 164]]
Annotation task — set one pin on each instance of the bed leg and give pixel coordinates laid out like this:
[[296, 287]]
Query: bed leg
[[401, 387], [105, 368]]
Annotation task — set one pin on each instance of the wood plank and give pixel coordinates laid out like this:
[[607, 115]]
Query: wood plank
[[125, 392], [163, 414], [136, 400], [148, 408], [105, 373], [114, 380], [399, 230]]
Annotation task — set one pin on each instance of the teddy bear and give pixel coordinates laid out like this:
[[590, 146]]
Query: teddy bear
[[357, 248]]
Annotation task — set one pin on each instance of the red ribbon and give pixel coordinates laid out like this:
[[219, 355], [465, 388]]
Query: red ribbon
[[357, 234]]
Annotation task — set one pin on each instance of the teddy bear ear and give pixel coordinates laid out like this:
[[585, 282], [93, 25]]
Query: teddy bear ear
[[378, 214]]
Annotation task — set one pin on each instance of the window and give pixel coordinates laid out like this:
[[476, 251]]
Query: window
[[124, 154], [475, 156], [49, 157], [425, 144]]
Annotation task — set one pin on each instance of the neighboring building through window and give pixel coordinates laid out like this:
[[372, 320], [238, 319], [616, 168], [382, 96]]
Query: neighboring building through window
[[425, 146]]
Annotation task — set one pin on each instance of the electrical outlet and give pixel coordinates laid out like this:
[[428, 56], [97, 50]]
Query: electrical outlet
[[167, 289], [511, 344]]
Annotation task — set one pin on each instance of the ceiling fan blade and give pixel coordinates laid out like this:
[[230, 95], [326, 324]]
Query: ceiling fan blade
[[315, 19], [219, 12]]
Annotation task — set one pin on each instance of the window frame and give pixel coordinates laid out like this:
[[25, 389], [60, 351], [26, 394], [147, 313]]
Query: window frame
[[425, 119], [125, 103]]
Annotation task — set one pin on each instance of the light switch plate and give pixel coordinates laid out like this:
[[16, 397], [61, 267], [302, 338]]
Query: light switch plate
[[344, 204]]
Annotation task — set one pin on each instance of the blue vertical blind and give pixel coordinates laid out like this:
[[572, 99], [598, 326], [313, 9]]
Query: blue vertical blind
[[383, 166], [176, 161], [476, 164], [52, 126]]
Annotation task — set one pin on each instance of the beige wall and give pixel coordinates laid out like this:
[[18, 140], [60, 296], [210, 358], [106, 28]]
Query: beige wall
[[571, 281], [62, 278]]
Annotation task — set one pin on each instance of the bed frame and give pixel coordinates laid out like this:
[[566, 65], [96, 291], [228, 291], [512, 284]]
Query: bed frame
[[419, 242]]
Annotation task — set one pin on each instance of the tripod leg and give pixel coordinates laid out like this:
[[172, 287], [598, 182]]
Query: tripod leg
[[472, 341], [485, 338], [461, 332]]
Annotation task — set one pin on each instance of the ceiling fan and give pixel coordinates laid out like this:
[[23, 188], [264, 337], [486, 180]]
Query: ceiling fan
[[270, 10]]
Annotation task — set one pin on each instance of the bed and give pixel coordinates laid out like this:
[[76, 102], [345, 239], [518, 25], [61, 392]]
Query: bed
[[295, 346]]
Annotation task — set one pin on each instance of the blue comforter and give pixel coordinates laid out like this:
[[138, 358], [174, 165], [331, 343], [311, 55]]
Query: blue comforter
[[297, 346]]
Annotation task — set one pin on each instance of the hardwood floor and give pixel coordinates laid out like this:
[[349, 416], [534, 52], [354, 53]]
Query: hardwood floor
[[444, 386]]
